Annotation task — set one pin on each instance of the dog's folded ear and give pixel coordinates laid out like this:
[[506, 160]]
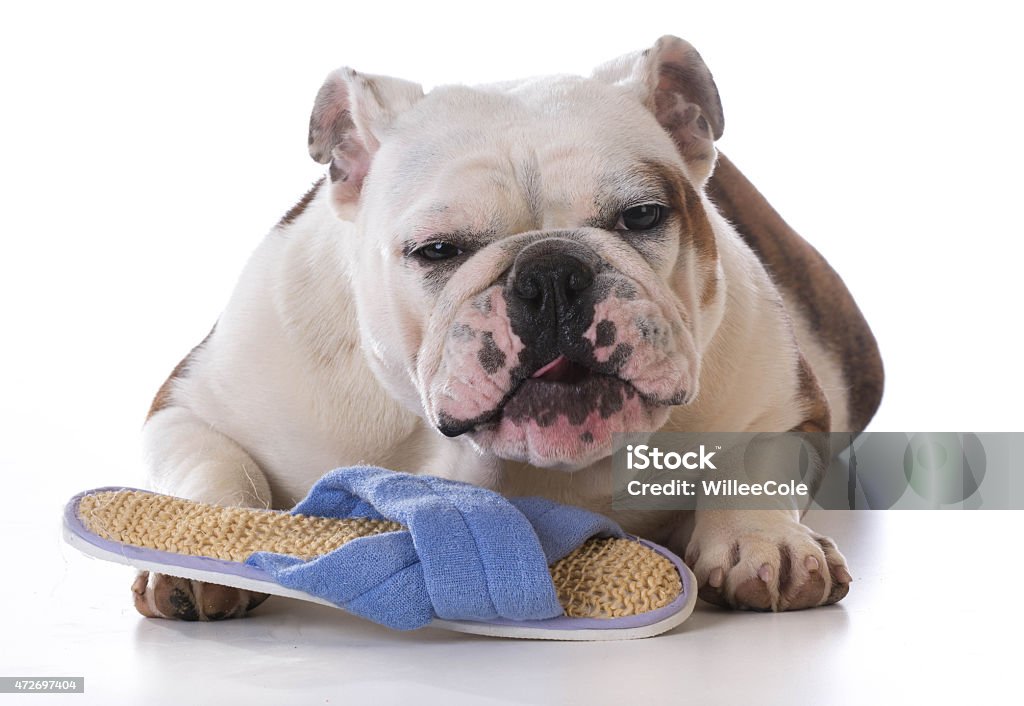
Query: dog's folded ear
[[673, 81], [351, 114]]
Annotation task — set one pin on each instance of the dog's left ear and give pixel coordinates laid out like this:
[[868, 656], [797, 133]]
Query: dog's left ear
[[351, 114], [673, 81]]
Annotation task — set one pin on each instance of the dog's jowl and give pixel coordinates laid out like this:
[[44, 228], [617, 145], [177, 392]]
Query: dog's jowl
[[527, 269]]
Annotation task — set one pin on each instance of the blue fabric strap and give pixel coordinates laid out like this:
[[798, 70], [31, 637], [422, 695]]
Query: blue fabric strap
[[467, 553]]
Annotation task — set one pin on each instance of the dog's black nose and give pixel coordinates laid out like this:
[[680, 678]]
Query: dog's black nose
[[550, 297], [548, 284]]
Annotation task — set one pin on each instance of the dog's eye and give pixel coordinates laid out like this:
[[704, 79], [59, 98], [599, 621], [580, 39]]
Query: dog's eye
[[437, 251], [642, 217]]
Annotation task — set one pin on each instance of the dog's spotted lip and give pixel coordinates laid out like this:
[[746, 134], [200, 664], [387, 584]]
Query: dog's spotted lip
[[560, 376], [522, 401], [559, 373]]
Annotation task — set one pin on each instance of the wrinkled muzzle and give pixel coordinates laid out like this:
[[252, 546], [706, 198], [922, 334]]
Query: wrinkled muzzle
[[554, 352]]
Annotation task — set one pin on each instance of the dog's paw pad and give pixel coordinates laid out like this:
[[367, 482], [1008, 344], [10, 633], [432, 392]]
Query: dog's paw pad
[[173, 598]]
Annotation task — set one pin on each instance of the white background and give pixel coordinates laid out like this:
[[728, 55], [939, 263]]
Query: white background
[[145, 150]]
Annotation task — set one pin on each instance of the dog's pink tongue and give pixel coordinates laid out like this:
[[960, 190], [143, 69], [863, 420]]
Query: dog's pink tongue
[[554, 369]]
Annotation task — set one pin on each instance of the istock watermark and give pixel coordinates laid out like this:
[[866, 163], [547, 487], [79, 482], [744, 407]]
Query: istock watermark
[[641, 457], [834, 471]]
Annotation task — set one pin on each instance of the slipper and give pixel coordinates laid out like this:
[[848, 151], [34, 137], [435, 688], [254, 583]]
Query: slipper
[[406, 551]]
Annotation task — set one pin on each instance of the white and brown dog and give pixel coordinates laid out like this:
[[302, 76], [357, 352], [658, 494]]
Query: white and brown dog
[[491, 281]]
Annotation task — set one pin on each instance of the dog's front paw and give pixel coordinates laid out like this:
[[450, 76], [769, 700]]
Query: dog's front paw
[[765, 561], [161, 596]]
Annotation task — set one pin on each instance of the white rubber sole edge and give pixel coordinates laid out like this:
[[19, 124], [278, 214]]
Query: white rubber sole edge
[[471, 627]]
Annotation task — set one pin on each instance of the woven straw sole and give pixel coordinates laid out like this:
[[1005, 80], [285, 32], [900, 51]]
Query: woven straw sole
[[605, 578]]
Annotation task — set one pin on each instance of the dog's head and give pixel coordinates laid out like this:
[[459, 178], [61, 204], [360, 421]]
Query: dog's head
[[533, 260]]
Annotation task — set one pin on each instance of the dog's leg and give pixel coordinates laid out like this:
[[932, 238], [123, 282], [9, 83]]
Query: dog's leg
[[764, 560], [761, 556], [188, 458]]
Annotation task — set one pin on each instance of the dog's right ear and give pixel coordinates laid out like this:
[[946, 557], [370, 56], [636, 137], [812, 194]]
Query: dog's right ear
[[351, 114]]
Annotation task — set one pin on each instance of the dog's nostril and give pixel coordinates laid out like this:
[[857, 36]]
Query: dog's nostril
[[526, 287], [580, 280]]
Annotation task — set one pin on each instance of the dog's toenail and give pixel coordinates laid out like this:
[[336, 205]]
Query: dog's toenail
[[765, 573], [811, 563], [716, 578], [842, 575]]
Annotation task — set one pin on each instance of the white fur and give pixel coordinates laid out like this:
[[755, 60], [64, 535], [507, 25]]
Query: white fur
[[312, 364]]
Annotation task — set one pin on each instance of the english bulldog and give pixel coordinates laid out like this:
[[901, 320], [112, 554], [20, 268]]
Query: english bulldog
[[487, 284]]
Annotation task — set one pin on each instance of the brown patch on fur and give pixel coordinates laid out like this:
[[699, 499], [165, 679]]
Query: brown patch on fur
[[162, 399], [702, 238], [173, 598], [221, 602], [687, 203], [177, 598], [300, 206], [819, 415], [816, 423], [799, 269], [697, 231]]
